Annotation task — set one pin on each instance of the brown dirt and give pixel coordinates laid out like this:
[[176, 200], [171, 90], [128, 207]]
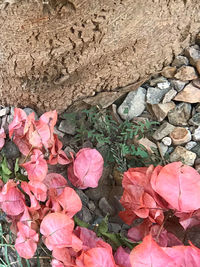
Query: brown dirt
[[51, 57]]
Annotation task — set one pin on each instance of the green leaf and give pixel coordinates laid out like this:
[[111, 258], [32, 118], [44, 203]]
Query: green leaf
[[81, 223], [16, 165], [4, 167], [103, 226]]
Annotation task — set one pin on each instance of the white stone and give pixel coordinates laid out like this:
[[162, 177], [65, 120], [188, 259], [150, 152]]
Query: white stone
[[167, 141]]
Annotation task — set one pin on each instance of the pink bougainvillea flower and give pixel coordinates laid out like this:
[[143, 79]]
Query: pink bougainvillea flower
[[55, 181], [2, 137], [138, 198], [36, 167], [178, 183], [87, 168], [57, 228], [34, 204], [122, 257], [26, 242], [39, 190], [56, 263], [70, 201], [57, 155], [63, 256], [16, 127], [11, 199]]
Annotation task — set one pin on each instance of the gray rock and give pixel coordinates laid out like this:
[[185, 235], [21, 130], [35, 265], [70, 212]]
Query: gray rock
[[155, 94], [84, 198], [196, 150], [29, 111], [105, 207], [59, 133], [84, 214], [190, 145], [67, 126], [157, 80], [10, 150], [96, 193], [165, 129], [91, 206], [169, 96], [162, 149], [180, 115], [163, 85], [195, 120], [180, 61], [182, 154], [133, 105], [4, 111], [196, 134], [193, 54], [115, 227], [178, 85], [167, 141]]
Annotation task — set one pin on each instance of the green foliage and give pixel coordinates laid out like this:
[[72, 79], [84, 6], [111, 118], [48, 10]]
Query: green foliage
[[102, 130], [5, 172]]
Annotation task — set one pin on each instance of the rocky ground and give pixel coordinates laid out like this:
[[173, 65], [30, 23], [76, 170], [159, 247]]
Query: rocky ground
[[171, 98]]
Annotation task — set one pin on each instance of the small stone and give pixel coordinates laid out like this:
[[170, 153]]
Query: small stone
[[163, 85], [4, 111], [196, 134], [196, 83], [115, 227], [196, 150], [180, 115], [133, 105], [162, 149], [195, 120], [28, 111], [180, 136], [169, 96], [167, 141], [155, 94], [10, 150], [178, 85], [105, 207], [96, 193], [198, 66], [186, 73], [193, 54], [160, 111], [59, 133], [168, 72], [91, 206], [84, 198], [150, 146], [190, 145], [190, 94], [165, 129], [182, 154], [68, 127], [197, 108], [157, 80], [180, 61], [84, 214]]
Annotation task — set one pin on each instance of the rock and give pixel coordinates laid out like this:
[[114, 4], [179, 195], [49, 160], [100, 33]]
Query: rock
[[91, 206], [168, 72], [4, 111], [196, 134], [67, 126], [180, 61], [180, 136], [196, 83], [155, 94], [197, 108], [163, 85], [150, 146], [133, 105], [182, 154], [190, 145], [180, 115], [195, 120], [28, 111], [10, 150], [105, 207], [169, 96], [84, 198], [165, 129], [99, 192], [193, 54], [190, 94], [117, 175], [197, 164], [59, 133], [162, 149], [178, 85], [167, 141], [186, 73], [157, 80], [115, 227], [196, 150], [84, 214], [198, 66]]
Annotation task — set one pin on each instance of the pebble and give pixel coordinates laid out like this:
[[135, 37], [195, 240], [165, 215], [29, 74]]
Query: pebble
[[190, 145], [197, 164], [178, 85], [84, 198], [105, 207], [67, 126], [157, 80], [10, 150], [180, 136], [133, 105], [168, 72], [59, 133], [84, 214], [193, 54], [28, 111], [167, 141], [149, 145], [96, 193], [182, 154], [91, 206], [164, 85], [180, 115], [4, 111], [115, 227], [180, 61], [190, 94], [161, 110], [198, 66], [186, 73], [162, 149], [155, 94], [169, 96], [196, 83], [195, 120], [165, 129], [196, 134]]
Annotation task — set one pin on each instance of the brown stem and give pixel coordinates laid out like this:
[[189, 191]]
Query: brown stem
[[28, 155]]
